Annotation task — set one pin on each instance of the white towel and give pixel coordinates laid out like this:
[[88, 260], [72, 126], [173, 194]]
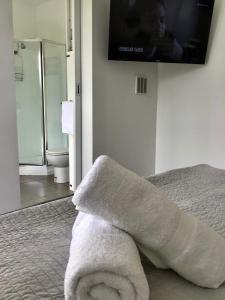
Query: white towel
[[68, 117], [104, 263], [133, 204]]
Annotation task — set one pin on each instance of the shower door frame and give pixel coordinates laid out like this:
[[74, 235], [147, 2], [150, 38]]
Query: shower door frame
[[44, 111], [44, 97], [42, 86]]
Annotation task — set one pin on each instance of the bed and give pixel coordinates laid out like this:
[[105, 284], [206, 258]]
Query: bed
[[34, 242]]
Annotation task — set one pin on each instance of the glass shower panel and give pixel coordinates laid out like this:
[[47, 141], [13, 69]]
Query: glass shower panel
[[55, 93], [29, 102]]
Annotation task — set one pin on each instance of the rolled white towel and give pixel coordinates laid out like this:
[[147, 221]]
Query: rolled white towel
[[104, 263], [165, 234]]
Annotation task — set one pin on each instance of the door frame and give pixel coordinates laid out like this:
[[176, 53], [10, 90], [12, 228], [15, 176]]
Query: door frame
[[74, 89]]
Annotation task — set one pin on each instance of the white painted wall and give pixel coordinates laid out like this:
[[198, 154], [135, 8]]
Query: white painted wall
[[24, 20], [124, 125], [9, 169], [40, 19], [87, 84], [51, 20], [191, 107]]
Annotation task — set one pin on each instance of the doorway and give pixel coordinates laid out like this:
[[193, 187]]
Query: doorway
[[43, 49]]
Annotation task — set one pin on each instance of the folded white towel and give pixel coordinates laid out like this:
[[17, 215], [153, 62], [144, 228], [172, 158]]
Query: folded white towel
[[131, 203], [104, 263]]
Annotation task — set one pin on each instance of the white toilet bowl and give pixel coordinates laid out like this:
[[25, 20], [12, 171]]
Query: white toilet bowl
[[59, 158]]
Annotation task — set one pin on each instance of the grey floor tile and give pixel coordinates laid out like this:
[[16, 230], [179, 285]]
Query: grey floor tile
[[38, 189]]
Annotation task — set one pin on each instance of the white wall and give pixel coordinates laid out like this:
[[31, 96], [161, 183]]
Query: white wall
[[87, 84], [24, 20], [124, 124], [191, 107], [40, 19], [51, 20], [9, 169]]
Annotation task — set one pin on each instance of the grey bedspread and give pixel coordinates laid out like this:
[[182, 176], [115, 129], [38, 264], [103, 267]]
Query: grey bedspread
[[198, 190], [34, 242], [34, 250]]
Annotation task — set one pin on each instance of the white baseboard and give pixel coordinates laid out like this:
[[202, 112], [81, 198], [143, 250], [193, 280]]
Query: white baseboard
[[37, 170]]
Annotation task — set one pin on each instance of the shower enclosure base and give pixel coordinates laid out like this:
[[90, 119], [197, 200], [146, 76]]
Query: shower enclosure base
[[36, 170]]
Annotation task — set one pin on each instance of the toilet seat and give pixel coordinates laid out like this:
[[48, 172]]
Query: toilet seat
[[57, 152]]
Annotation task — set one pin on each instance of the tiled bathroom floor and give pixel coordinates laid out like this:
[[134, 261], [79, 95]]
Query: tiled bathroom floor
[[39, 189]]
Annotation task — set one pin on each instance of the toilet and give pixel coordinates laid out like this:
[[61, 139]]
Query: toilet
[[59, 159]]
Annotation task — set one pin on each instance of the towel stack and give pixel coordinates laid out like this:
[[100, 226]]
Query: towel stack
[[119, 207]]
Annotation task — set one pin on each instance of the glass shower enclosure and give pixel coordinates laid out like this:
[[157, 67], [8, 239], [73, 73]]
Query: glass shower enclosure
[[41, 86]]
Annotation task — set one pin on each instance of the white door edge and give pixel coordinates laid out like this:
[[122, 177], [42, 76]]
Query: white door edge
[[74, 80]]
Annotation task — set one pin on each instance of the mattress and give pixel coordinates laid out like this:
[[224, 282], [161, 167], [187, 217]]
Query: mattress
[[34, 242]]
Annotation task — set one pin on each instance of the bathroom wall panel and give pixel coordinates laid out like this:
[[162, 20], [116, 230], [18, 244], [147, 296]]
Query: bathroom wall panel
[[9, 169]]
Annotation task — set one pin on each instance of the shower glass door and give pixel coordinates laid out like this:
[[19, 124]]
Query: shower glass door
[[29, 102], [55, 92]]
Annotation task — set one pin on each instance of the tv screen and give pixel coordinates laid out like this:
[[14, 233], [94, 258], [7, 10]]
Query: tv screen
[[174, 31]]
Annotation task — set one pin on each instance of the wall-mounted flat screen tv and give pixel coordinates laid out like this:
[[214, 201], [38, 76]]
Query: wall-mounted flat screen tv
[[173, 31]]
